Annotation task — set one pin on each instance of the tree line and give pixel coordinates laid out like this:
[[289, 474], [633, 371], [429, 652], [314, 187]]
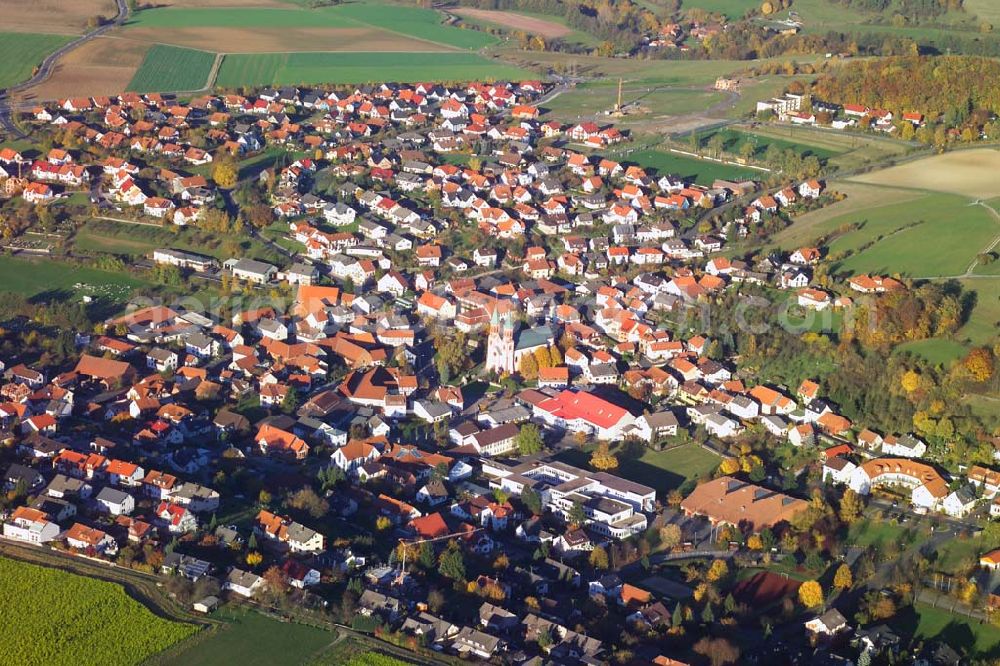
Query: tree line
[[937, 87]]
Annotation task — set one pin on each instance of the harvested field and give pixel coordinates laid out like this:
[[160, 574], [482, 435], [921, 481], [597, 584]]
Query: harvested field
[[764, 589], [103, 66], [972, 173], [276, 40], [64, 17], [528, 24]]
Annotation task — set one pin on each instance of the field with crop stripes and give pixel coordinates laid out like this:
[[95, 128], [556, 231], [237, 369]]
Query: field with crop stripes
[[425, 24], [21, 52], [260, 69], [57, 618], [172, 68]]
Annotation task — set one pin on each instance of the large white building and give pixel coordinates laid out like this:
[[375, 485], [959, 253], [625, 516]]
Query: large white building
[[614, 506], [927, 488], [579, 411], [251, 270], [183, 259]]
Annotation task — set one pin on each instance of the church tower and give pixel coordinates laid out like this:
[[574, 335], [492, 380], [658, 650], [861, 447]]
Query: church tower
[[500, 345]]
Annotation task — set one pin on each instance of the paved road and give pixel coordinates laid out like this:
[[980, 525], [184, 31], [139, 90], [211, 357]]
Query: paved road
[[47, 66]]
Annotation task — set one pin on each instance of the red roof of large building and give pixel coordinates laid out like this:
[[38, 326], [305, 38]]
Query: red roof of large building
[[570, 405]]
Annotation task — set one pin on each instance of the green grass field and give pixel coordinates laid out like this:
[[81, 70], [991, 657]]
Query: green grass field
[[701, 171], [935, 235], [310, 68], [57, 618], [414, 22], [970, 637], [21, 52], [662, 470], [866, 533], [407, 20], [33, 277], [104, 236], [732, 8], [987, 10], [252, 639], [957, 554], [922, 235], [172, 68], [984, 322], [936, 351]]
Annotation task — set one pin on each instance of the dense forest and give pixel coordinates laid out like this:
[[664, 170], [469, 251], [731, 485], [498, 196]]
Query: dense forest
[[933, 86]]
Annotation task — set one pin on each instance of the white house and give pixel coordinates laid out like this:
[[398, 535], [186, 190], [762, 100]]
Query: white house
[[906, 446], [838, 470], [115, 502], [30, 526], [722, 426], [960, 503], [243, 583]]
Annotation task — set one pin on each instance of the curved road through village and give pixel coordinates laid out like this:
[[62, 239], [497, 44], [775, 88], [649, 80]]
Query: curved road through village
[[44, 70]]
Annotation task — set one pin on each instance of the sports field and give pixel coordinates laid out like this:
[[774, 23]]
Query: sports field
[[172, 68], [734, 139], [57, 618], [972, 173], [310, 68], [21, 52], [702, 172]]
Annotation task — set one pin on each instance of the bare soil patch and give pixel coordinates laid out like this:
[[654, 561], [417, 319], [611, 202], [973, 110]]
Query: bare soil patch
[[272, 40], [764, 589], [972, 173], [102, 66], [528, 24], [58, 17]]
